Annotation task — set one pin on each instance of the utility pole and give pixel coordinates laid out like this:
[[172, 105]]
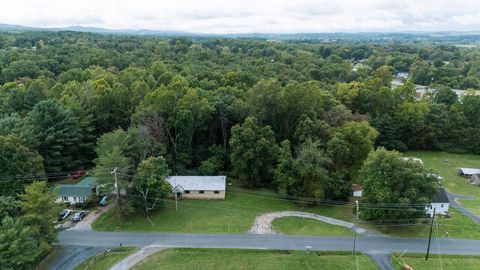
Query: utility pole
[[356, 202], [114, 172], [430, 236], [355, 240]]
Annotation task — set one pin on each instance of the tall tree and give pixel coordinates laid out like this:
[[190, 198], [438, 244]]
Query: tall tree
[[18, 165], [253, 152], [150, 186], [18, 251], [402, 185], [57, 135], [38, 210]]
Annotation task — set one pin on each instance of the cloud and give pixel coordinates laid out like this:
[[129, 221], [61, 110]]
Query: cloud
[[241, 16]]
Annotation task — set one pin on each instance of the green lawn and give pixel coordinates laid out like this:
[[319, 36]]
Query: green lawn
[[473, 206], [449, 170], [459, 226], [448, 262], [105, 262], [303, 226], [237, 213], [234, 215], [233, 259]]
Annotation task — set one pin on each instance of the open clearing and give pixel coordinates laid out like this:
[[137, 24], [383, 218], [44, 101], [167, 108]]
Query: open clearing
[[104, 262], [199, 259], [237, 214], [305, 226], [446, 262], [449, 171], [234, 215]]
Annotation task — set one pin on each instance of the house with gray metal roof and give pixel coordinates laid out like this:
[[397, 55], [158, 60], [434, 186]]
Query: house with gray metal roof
[[77, 193], [199, 187], [439, 202]]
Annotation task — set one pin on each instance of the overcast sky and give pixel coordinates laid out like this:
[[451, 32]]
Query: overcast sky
[[247, 16]]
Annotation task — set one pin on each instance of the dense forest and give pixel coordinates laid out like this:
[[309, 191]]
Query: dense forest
[[297, 116]]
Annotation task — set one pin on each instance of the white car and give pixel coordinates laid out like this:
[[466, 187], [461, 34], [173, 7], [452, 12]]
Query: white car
[[64, 214]]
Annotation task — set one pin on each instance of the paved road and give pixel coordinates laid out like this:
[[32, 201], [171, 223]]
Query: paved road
[[71, 256], [135, 258], [453, 202], [365, 244], [382, 259]]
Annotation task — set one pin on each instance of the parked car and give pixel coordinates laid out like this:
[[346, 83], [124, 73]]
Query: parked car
[[103, 201], [64, 214], [79, 216], [78, 174]]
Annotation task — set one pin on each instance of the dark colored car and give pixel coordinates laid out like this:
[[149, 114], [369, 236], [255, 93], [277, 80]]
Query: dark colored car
[[79, 216], [64, 214]]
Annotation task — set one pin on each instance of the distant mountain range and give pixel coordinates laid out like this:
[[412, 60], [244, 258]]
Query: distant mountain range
[[452, 36]]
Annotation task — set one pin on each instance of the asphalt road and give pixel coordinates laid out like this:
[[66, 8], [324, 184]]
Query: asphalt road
[[79, 245], [71, 256], [453, 202], [365, 244]]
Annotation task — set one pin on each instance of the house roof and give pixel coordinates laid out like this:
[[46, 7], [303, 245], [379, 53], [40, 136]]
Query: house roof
[[198, 182], [80, 189], [441, 196], [469, 171], [356, 187]]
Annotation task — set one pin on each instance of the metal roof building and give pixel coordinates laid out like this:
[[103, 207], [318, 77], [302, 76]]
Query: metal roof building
[[199, 187], [468, 171]]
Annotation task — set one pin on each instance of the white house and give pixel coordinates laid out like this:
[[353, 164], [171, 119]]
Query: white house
[[357, 190], [199, 187], [440, 203]]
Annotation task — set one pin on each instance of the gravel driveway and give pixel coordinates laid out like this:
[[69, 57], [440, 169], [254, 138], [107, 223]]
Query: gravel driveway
[[86, 223], [263, 223]]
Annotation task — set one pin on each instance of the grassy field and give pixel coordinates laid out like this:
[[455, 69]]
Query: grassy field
[[303, 226], [459, 226], [449, 170], [234, 215], [447, 262], [200, 259], [237, 213], [473, 206], [105, 262]]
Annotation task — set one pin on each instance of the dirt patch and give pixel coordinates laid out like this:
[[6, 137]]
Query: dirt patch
[[263, 223]]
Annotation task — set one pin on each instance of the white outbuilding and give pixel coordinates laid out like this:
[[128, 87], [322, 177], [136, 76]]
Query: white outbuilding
[[440, 203]]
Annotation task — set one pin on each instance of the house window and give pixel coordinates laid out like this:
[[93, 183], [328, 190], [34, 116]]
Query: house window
[[201, 191], [430, 206], [187, 191], [216, 192], [441, 205], [82, 199], [65, 198], [75, 199]]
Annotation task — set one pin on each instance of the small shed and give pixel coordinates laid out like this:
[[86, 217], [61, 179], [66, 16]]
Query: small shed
[[357, 190], [468, 172], [439, 202], [199, 187]]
